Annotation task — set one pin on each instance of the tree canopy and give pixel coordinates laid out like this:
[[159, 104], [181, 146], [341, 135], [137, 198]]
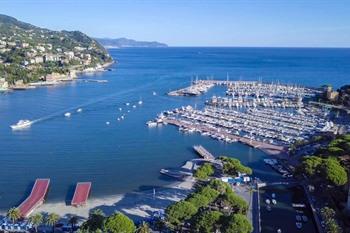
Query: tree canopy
[[232, 166], [119, 223], [204, 171], [238, 223], [207, 221]]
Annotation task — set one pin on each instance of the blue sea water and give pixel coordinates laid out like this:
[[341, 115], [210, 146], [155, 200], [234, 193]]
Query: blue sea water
[[127, 155]]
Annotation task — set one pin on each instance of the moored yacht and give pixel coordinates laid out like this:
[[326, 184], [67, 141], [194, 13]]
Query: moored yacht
[[67, 114], [21, 124]]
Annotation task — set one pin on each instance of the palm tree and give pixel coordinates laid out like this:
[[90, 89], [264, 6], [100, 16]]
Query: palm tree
[[52, 219], [14, 214], [143, 228], [36, 220], [73, 221]]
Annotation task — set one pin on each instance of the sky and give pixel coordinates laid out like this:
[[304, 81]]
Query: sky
[[246, 23]]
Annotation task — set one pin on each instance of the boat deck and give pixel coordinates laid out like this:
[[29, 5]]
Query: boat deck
[[35, 198], [81, 193]]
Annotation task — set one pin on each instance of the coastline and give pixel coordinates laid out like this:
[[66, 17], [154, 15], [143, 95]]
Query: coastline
[[137, 205]]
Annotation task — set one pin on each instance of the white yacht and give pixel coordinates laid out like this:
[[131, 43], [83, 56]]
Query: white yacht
[[127, 104], [154, 93], [22, 124], [140, 102], [151, 123], [134, 106], [79, 110], [67, 114]]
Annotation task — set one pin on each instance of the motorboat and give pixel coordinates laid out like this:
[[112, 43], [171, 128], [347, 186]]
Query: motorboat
[[267, 201], [127, 104], [299, 225], [79, 110], [151, 123], [22, 124], [304, 217], [134, 106], [140, 102], [107, 122], [67, 114], [274, 201]]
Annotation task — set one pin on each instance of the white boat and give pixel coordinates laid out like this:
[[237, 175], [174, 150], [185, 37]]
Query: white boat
[[299, 225], [22, 124], [151, 123], [279, 230], [274, 201], [118, 119], [304, 217], [267, 201], [154, 93], [67, 114], [107, 122], [120, 109], [134, 106], [140, 102], [79, 110], [127, 104]]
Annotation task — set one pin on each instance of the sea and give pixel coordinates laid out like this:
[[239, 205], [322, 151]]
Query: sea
[[124, 156]]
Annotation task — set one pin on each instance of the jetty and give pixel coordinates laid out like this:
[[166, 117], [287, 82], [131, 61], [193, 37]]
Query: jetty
[[36, 197], [203, 152], [81, 194]]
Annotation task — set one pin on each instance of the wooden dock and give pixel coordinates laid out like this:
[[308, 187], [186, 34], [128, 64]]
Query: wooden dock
[[35, 198], [203, 152], [81, 194]]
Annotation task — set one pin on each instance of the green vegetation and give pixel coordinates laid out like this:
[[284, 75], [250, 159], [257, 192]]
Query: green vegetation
[[204, 171], [29, 53], [208, 209], [52, 219], [13, 214], [119, 223], [36, 220], [238, 223], [143, 228], [328, 169], [233, 166], [331, 225], [95, 221]]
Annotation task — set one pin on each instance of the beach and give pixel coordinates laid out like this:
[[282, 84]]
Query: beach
[[137, 205]]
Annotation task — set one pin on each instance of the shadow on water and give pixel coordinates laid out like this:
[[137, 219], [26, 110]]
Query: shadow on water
[[69, 195]]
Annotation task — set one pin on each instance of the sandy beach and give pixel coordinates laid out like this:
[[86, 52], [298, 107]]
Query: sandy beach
[[137, 205]]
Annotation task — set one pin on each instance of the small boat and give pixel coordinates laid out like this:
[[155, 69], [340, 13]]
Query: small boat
[[120, 109], [274, 201], [67, 114], [127, 104], [154, 93], [134, 106], [298, 218], [299, 225], [304, 217], [21, 124], [140, 102], [122, 117], [279, 230], [128, 110], [118, 119], [79, 110], [267, 201], [273, 195], [107, 122], [268, 208], [151, 123]]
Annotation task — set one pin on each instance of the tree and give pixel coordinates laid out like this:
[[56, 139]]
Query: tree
[[237, 204], [219, 186], [14, 214], [207, 221], [119, 223], [52, 219], [73, 221], [95, 221], [233, 166], [237, 223], [143, 228], [36, 220], [204, 171], [328, 216], [334, 172], [180, 211], [310, 165]]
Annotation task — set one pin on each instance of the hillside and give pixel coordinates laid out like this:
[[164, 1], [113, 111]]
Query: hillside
[[124, 42], [30, 53]]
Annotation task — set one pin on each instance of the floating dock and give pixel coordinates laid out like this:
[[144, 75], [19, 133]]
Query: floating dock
[[203, 152], [36, 197], [81, 194]]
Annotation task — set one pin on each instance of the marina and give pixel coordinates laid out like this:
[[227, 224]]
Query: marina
[[36, 197]]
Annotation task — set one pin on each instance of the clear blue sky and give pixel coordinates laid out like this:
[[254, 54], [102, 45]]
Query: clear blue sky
[[300, 23]]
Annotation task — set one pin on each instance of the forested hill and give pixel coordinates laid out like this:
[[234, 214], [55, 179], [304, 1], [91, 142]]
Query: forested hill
[[29, 53]]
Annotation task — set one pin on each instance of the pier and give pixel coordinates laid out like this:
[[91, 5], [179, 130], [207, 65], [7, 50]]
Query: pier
[[203, 152], [36, 197], [81, 194]]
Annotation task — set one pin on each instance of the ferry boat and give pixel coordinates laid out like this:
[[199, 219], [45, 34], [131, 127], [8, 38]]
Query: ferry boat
[[22, 124]]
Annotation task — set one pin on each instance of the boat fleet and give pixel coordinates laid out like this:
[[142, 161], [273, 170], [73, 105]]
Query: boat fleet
[[196, 88], [270, 126]]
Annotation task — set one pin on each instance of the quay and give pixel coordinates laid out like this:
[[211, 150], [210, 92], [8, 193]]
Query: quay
[[203, 152], [35, 198], [81, 194]]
